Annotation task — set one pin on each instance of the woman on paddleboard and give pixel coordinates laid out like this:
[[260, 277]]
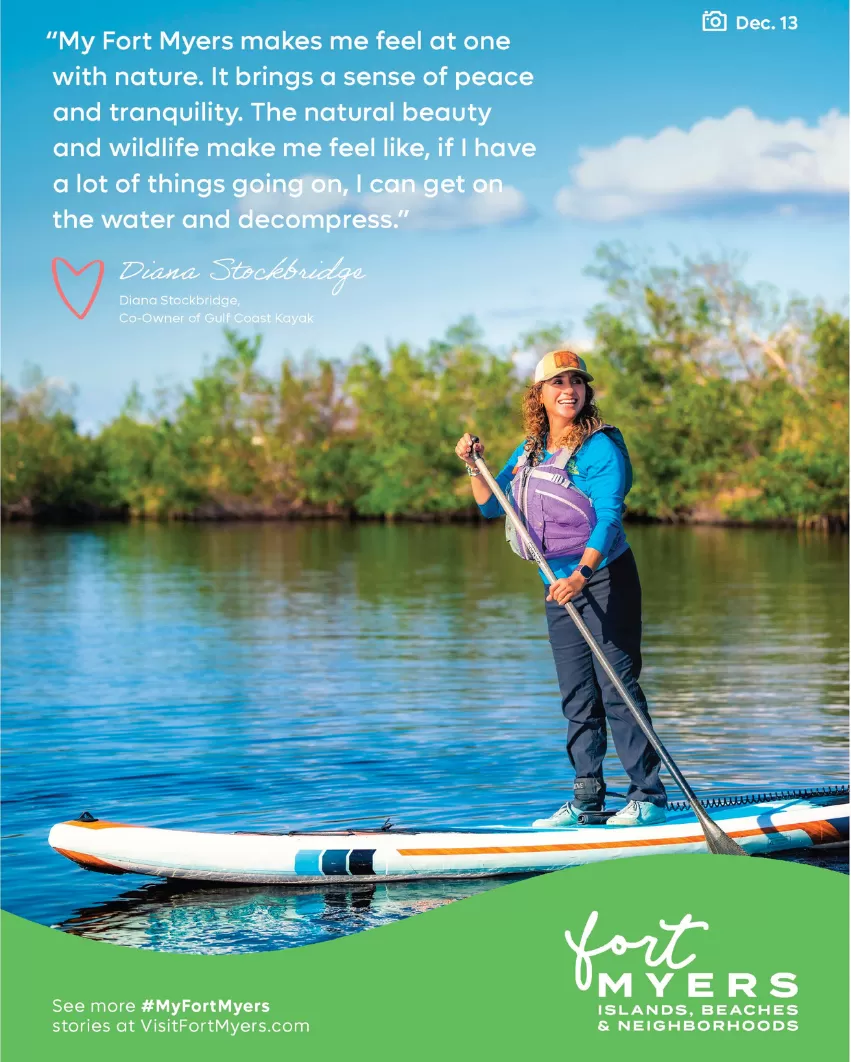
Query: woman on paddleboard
[[569, 478]]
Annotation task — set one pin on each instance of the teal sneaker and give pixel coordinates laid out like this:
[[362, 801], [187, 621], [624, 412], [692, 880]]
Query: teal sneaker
[[638, 813], [567, 815]]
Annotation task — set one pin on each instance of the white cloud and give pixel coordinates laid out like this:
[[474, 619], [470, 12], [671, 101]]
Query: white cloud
[[717, 164], [525, 362], [468, 210]]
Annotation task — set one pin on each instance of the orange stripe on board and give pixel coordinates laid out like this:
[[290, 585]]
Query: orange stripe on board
[[99, 825], [821, 830], [86, 860]]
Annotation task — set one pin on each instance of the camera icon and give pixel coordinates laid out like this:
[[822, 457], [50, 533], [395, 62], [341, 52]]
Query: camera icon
[[714, 22]]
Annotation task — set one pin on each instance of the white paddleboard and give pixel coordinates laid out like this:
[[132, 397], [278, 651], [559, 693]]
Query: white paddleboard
[[763, 826]]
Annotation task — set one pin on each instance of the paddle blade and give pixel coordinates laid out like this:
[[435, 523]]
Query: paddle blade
[[719, 843]]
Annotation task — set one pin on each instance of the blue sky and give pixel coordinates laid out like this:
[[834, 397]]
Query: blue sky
[[647, 130]]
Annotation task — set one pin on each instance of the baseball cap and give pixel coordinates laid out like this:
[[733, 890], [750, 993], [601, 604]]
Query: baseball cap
[[559, 361]]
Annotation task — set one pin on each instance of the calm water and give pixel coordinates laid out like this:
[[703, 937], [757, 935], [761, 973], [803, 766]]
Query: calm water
[[284, 676]]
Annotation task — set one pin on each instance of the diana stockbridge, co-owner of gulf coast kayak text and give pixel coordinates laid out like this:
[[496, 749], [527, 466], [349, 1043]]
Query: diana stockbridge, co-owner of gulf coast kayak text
[[568, 479]]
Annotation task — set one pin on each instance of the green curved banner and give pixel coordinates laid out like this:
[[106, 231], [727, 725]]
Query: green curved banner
[[659, 958]]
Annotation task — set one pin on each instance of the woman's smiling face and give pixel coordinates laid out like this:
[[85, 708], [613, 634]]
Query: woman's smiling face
[[563, 397]]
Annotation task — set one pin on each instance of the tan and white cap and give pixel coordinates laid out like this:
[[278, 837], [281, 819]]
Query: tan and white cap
[[559, 361]]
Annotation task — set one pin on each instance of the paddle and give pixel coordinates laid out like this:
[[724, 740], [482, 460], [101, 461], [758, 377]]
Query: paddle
[[716, 840]]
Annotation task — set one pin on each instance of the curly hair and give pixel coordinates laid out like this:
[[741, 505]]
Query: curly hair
[[537, 426]]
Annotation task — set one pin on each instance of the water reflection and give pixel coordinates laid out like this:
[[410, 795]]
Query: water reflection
[[171, 917]]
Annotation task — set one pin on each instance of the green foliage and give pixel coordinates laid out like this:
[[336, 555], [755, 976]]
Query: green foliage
[[734, 406], [410, 413], [47, 467]]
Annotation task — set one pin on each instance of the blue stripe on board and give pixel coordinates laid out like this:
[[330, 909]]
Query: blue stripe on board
[[334, 861], [307, 862], [360, 861]]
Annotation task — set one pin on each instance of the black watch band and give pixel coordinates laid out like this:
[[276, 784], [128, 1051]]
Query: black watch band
[[585, 571]]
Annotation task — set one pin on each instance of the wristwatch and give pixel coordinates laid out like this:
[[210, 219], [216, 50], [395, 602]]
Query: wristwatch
[[584, 571]]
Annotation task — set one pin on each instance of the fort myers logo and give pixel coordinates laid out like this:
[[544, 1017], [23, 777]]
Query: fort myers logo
[[699, 985]]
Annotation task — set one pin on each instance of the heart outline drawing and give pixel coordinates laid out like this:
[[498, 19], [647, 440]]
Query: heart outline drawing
[[77, 272]]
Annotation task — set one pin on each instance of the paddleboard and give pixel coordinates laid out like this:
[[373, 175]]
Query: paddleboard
[[761, 824]]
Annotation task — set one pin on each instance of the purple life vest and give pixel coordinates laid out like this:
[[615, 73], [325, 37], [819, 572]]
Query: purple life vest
[[558, 515]]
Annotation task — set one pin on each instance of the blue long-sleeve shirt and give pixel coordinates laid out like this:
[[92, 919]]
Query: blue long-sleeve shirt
[[601, 469]]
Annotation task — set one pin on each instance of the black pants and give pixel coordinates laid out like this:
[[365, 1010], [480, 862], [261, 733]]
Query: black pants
[[610, 605]]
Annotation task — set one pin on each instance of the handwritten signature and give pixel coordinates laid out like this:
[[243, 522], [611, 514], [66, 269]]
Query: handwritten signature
[[234, 269]]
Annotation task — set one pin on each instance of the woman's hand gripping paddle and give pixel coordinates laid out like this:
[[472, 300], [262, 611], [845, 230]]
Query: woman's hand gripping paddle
[[716, 840]]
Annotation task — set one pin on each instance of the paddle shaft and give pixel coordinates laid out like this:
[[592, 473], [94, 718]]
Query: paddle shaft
[[722, 845]]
